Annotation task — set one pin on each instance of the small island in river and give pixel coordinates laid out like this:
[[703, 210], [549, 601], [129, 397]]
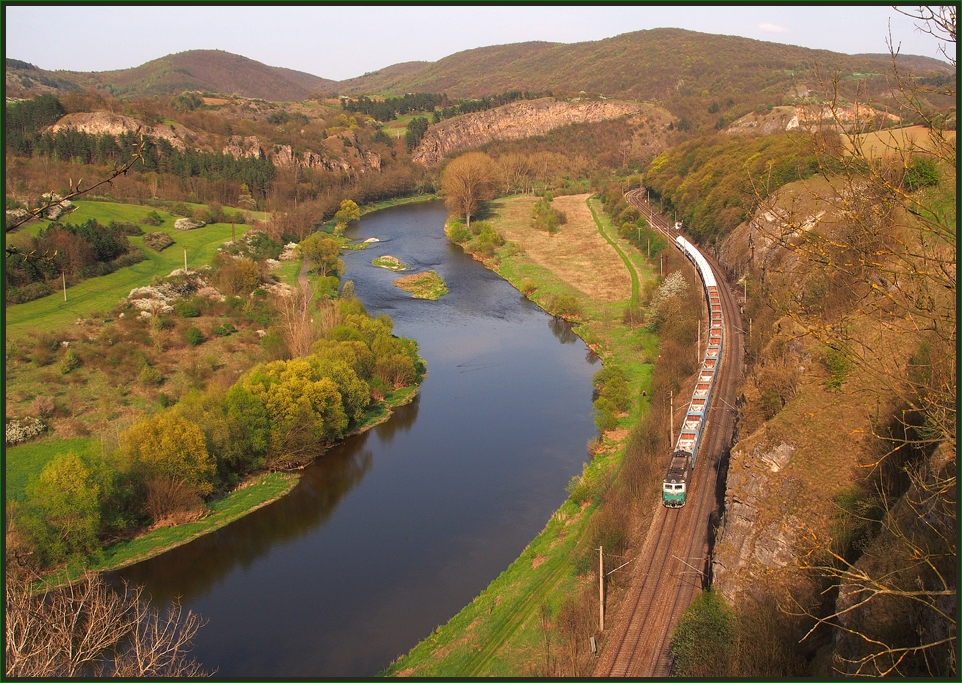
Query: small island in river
[[427, 285]]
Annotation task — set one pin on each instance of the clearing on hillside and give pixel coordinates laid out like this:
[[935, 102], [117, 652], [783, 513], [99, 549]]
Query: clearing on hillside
[[577, 253]]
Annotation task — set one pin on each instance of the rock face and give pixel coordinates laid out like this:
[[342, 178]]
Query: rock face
[[748, 546], [98, 123], [513, 121], [240, 147]]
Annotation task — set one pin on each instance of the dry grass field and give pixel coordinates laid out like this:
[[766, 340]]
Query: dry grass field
[[897, 140], [577, 253]]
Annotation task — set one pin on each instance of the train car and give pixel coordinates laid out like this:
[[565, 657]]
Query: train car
[[675, 486]]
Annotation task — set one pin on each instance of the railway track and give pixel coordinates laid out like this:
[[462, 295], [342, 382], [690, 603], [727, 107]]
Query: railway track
[[673, 561]]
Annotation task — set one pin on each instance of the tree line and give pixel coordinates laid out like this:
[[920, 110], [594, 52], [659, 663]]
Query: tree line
[[469, 106], [390, 108], [71, 252]]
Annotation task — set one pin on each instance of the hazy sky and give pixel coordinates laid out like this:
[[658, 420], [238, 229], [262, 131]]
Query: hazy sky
[[340, 42]]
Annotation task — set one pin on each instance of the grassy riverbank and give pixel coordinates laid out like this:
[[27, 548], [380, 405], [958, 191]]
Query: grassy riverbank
[[513, 628]]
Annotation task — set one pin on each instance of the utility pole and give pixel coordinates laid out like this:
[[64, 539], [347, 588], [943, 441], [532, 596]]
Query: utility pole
[[185, 260], [63, 276], [649, 247], [671, 417], [698, 347], [661, 268], [601, 589]]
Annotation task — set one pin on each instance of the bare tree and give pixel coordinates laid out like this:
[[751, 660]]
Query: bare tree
[[87, 629], [466, 182]]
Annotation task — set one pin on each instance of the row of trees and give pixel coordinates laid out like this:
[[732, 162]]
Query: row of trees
[[280, 414], [631, 225], [390, 108], [469, 106]]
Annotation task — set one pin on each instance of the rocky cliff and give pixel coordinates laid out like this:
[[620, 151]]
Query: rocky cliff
[[513, 121], [98, 123]]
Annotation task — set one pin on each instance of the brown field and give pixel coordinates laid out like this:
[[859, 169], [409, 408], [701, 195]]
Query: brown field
[[577, 253], [897, 140]]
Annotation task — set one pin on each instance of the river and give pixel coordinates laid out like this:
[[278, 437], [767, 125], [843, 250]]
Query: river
[[392, 532]]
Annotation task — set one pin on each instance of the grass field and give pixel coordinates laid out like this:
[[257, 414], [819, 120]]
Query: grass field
[[101, 294], [23, 463], [427, 285]]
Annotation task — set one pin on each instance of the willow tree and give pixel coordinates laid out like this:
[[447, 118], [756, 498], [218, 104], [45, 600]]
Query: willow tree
[[466, 182]]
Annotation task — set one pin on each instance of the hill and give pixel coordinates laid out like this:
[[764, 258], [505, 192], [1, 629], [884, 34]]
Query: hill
[[206, 70]]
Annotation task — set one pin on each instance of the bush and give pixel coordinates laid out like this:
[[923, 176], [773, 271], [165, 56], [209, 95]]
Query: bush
[[29, 292], [43, 406], [158, 241], [126, 228], [528, 287], [193, 336], [153, 218], [457, 232], [150, 377], [565, 306], [224, 330], [70, 361], [186, 309], [606, 415], [18, 431], [705, 639]]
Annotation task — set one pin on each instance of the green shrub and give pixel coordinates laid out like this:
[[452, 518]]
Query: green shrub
[[704, 642], [186, 309], [457, 232], [193, 336], [838, 367], [126, 228], [528, 287], [153, 218], [224, 330], [606, 414], [70, 361], [150, 377], [565, 306]]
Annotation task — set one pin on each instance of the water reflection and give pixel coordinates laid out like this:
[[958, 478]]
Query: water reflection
[[561, 329], [402, 420], [210, 558]]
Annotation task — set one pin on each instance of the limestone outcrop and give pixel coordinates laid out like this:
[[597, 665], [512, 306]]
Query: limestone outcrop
[[98, 123], [513, 121], [240, 147]]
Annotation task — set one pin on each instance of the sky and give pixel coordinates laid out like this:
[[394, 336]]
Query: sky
[[340, 42]]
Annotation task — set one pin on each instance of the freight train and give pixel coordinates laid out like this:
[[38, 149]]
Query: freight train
[[674, 489]]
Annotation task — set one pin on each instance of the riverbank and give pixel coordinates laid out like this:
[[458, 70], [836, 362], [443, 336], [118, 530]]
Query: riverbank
[[255, 492], [520, 625]]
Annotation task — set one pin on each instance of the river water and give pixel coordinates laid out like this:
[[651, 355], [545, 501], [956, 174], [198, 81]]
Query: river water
[[391, 533]]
